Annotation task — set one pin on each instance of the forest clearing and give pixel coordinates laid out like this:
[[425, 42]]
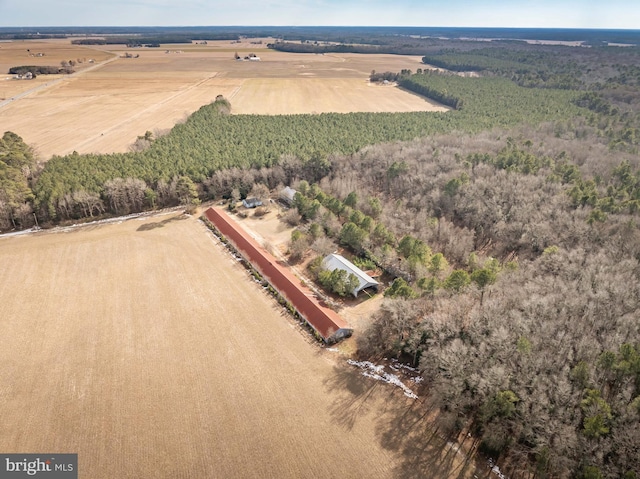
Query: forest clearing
[[104, 110], [191, 371]]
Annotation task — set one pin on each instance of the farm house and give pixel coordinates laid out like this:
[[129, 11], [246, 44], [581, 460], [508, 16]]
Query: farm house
[[335, 261], [251, 203], [324, 321]]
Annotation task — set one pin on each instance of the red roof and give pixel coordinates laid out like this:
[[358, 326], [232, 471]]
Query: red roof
[[324, 320]]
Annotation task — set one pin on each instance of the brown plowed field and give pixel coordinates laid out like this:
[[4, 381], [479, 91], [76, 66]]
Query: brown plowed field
[[106, 107], [147, 349]]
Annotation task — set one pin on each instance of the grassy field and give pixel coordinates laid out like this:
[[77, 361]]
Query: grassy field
[[149, 352], [103, 110]]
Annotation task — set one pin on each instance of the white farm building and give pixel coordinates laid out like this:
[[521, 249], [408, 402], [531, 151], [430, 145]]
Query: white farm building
[[335, 261]]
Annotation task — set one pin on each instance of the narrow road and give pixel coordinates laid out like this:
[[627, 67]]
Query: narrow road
[[155, 106]]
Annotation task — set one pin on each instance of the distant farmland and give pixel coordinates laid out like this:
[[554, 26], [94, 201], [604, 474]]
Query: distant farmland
[[105, 109]]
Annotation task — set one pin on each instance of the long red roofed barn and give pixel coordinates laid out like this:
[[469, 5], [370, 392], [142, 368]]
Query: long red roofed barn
[[324, 321]]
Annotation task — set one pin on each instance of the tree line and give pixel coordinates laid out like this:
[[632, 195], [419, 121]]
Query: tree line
[[421, 86], [196, 149], [39, 70], [316, 48], [137, 40]]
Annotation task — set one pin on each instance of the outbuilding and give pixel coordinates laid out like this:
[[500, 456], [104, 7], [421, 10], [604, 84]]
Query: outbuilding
[[335, 261], [251, 203], [287, 195]]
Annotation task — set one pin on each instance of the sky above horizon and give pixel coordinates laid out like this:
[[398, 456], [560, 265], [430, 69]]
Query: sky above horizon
[[612, 14]]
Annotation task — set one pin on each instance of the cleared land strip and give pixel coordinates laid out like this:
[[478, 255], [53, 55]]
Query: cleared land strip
[[283, 96]]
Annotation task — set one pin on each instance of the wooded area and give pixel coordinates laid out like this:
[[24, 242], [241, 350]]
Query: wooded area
[[517, 295], [525, 322], [212, 140]]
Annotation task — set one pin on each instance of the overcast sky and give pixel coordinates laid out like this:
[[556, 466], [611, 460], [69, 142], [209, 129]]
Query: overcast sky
[[424, 13]]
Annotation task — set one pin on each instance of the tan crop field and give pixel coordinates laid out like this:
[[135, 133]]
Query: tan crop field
[[145, 347], [105, 106]]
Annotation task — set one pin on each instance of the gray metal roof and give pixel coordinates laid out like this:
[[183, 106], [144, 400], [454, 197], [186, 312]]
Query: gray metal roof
[[335, 261], [287, 194], [251, 202]]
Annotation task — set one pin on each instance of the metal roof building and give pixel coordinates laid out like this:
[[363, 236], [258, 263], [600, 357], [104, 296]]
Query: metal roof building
[[335, 261], [326, 322], [287, 195]]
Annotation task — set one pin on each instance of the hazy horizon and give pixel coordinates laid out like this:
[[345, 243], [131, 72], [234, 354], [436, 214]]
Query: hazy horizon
[[570, 14]]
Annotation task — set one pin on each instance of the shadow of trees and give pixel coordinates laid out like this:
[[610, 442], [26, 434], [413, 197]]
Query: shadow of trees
[[356, 390], [161, 224], [404, 426]]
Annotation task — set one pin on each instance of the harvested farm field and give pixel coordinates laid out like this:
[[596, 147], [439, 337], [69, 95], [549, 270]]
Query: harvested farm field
[[146, 348], [124, 92]]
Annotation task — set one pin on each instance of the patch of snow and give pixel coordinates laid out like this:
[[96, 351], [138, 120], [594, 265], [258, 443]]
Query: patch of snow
[[453, 446], [19, 233], [496, 470], [377, 372], [397, 365], [144, 215]]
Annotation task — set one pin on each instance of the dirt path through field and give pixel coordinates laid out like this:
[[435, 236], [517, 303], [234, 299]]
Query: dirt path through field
[[149, 111]]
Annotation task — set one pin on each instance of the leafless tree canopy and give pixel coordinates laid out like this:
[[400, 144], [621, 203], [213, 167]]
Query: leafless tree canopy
[[543, 366]]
